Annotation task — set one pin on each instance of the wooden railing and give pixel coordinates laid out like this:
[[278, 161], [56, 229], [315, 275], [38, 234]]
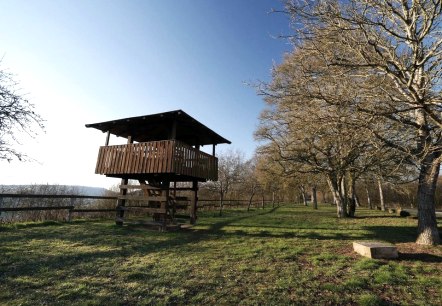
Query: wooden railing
[[167, 156], [69, 208]]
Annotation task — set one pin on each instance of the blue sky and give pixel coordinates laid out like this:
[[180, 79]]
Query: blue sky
[[89, 61]]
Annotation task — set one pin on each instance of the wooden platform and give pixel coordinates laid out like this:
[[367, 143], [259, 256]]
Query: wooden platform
[[166, 158], [375, 249]]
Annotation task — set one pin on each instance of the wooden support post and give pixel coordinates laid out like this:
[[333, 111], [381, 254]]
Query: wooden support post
[[119, 218], [194, 202], [213, 149], [165, 205], [107, 139]]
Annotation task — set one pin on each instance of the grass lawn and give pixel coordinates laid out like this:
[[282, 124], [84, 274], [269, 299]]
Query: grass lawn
[[288, 255]]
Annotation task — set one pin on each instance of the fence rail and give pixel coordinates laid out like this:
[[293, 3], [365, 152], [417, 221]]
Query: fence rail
[[70, 208], [53, 196], [203, 203]]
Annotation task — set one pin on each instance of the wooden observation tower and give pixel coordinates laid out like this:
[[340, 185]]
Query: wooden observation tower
[[161, 151]]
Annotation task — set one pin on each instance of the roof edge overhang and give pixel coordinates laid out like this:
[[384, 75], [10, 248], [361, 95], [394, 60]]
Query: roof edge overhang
[[121, 127]]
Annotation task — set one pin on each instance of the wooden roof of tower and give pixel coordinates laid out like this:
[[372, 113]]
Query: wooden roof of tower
[[169, 125]]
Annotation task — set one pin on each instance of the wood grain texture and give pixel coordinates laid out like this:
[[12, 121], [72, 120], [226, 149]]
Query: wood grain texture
[[156, 157]]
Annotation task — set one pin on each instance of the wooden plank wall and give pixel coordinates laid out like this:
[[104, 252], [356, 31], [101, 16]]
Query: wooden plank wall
[[167, 156]]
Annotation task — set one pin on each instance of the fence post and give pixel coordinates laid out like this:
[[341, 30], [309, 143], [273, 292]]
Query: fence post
[[70, 209], [1, 204]]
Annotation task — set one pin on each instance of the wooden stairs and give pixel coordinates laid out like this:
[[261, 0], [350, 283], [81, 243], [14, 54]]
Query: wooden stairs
[[158, 201]]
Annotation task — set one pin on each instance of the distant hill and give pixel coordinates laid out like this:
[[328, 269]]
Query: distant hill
[[71, 189]]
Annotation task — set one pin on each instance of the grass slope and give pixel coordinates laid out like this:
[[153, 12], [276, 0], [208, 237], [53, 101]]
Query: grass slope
[[288, 255]]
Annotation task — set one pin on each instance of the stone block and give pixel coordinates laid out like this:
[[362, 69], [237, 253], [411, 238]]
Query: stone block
[[375, 249]]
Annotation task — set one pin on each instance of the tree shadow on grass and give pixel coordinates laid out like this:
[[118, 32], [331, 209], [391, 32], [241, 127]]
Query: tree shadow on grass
[[377, 217], [120, 243], [424, 257], [392, 234]]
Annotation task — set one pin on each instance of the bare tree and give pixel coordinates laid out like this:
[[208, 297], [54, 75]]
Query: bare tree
[[16, 115], [402, 42], [250, 182], [269, 176], [305, 133], [230, 171]]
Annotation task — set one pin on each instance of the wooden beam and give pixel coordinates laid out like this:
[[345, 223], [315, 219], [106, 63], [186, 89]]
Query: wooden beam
[[173, 131], [193, 202], [35, 208], [119, 218], [139, 187], [213, 149], [92, 210], [107, 138], [141, 198], [148, 209], [53, 196]]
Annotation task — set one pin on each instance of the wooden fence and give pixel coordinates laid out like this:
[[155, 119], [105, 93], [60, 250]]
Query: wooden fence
[[203, 204], [70, 208]]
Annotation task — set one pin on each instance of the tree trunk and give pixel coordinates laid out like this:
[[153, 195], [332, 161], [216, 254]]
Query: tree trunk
[[428, 233], [368, 198], [381, 194], [340, 207], [324, 196], [352, 204], [221, 203], [250, 200], [344, 194], [314, 198], [262, 202], [335, 201], [304, 198], [357, 202], [273, 199]]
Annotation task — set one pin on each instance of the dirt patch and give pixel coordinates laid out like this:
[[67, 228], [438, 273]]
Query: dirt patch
[[412, 251]]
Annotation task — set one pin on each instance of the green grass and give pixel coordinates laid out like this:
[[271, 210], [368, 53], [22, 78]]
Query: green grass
[[289, 255]]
